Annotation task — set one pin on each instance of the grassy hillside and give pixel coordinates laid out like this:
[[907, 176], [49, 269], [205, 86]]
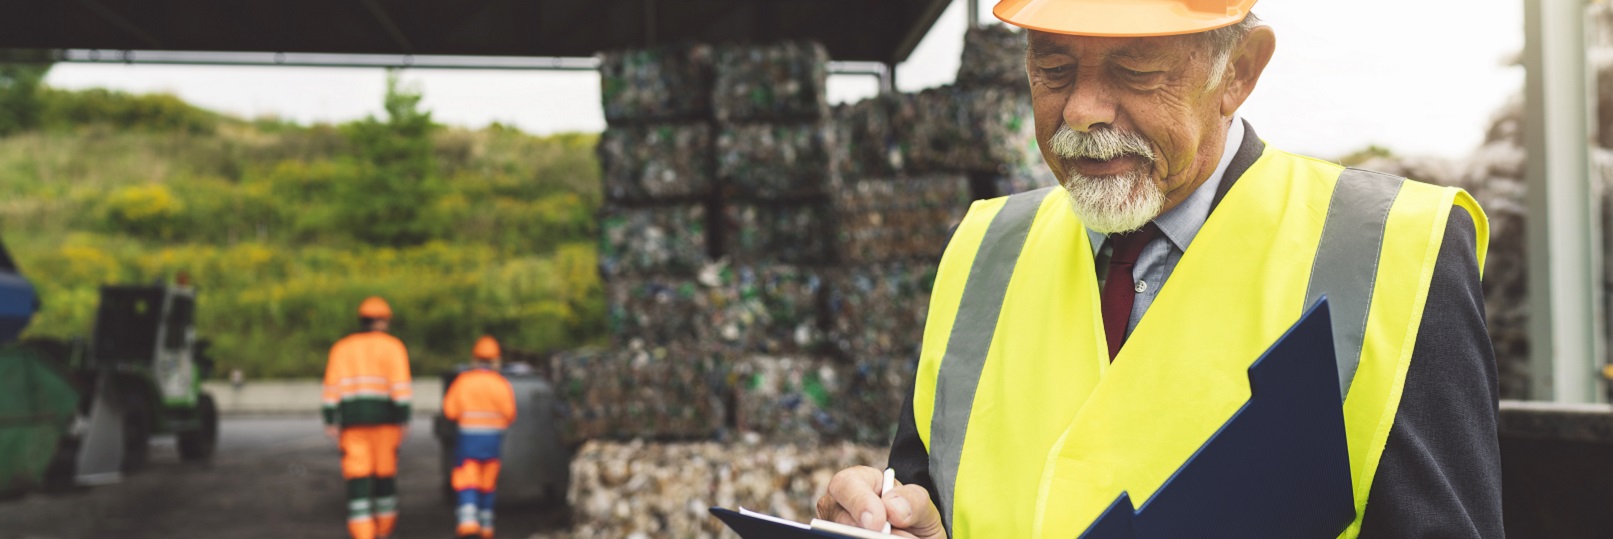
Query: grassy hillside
[[285, 227]]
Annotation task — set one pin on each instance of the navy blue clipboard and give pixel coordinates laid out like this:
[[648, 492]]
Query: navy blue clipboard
[[1280, 467], [749, 527]]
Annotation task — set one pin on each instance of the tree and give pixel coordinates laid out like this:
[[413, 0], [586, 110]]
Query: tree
[[388, 203], [20, 105]]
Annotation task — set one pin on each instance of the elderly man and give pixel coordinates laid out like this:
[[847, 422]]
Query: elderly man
[[1083, 342]]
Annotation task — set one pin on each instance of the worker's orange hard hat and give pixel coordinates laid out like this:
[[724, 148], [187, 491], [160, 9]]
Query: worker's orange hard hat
[[486, 348], [375, 307], [1122, 18]]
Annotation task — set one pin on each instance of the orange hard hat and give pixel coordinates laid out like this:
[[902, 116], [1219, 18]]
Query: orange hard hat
[[1122, 18], [486, 348], [375, 307]]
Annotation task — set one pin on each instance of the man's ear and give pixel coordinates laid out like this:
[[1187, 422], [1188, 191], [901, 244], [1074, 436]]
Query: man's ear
[[1249, 60]]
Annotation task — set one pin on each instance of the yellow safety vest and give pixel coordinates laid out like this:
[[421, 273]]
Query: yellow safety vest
[[1033, 432]]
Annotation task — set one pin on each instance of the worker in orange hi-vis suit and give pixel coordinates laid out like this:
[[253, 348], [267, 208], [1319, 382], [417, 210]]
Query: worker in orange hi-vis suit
[[366, 408], [482, 403]]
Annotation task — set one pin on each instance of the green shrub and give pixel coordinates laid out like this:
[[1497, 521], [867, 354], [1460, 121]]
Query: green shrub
[[19, 96], [123, 111], [285, 228]]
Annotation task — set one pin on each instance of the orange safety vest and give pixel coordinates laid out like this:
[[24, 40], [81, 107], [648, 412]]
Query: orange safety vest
[[367, 381], [480, 400]]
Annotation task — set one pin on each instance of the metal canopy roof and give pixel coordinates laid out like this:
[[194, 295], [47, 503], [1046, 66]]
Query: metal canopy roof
[[854, 30]]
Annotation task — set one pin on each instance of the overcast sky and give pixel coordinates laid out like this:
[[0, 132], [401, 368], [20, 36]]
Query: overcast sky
[[1404, 74]]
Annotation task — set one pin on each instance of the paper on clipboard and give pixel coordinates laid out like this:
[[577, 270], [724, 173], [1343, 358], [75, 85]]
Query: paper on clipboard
[[771, 518], [752, 525]]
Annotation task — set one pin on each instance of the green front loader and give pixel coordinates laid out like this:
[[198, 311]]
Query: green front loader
[[143, 371]]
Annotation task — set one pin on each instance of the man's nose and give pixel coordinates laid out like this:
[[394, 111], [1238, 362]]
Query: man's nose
[[1090, 106]]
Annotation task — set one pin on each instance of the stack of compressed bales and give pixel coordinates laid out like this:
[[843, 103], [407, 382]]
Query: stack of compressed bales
[[900, 218], [774, 154], [664, 392], [910, 165], [771, 309], [669, 330], [663, 84], [762, 232], [789, 399], [778, 163], [768, 262], [994, 59], [652, 240], [655, 161], [808, 400], [983, 124], [993, 56], [640, 490], [662, 377], [865, 141], [658, 144], [952, 129], [661, 162], [879, 309], [775, 165]]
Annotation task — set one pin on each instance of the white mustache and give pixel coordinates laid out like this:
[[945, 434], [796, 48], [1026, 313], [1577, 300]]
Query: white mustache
[[1100, 144]]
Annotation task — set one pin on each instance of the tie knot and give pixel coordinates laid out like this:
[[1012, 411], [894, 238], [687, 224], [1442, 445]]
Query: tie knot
[[1127, 247]]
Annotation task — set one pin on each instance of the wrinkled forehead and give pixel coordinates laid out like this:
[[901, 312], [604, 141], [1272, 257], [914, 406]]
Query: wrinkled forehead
[[1043, 44]]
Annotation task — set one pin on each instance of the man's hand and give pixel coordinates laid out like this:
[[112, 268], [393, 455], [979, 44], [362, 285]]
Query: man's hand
[[854, 500], [333, 432]]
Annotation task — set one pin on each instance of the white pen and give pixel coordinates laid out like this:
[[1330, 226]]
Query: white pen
[[890, 482]]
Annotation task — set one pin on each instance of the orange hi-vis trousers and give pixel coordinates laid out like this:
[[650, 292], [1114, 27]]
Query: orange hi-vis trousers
[[475, 479], [370, 466]]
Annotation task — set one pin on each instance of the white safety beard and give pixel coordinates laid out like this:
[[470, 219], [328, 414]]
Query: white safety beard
[[1108, 204]]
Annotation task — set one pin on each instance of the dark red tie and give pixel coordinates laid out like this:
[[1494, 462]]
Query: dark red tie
[[1119, 291]]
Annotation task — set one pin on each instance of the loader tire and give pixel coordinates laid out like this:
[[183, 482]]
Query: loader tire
[[198, 445], [136, 440]]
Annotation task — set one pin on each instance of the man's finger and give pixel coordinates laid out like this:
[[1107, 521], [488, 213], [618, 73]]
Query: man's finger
[[856, 491], [911, 510], [830, 510]]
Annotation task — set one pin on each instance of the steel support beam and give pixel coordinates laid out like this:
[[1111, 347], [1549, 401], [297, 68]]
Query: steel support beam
[[974, 13], [537, 63], [1564, 227], [540, 63]]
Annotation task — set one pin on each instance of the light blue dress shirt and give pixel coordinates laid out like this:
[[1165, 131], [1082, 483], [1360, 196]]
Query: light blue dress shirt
[[1178, 227]]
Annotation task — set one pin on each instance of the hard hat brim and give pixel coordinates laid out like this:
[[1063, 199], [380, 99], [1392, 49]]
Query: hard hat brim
[[1108, 18]]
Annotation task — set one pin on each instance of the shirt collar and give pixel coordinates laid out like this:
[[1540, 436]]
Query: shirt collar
[[1182, 223]]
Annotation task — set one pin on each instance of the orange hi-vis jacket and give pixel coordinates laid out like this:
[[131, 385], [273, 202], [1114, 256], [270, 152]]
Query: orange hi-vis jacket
[[367, 381], [480, 400]]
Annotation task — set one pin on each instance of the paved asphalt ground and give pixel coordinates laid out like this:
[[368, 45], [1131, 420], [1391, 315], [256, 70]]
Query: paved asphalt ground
[[273, 477]]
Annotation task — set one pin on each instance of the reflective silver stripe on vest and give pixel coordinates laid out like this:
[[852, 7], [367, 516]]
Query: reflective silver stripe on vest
[[1346, 265], [972, 331]]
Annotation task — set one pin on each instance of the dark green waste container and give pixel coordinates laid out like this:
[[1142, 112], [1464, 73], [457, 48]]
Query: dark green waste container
[[36, 408]]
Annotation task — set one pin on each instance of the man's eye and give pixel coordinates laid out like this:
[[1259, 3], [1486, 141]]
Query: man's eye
[[1056, 71], [1138, 76]]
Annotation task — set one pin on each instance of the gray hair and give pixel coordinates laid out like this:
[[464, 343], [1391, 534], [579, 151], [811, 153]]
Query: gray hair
[[1223, 39], [1220, 42]]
